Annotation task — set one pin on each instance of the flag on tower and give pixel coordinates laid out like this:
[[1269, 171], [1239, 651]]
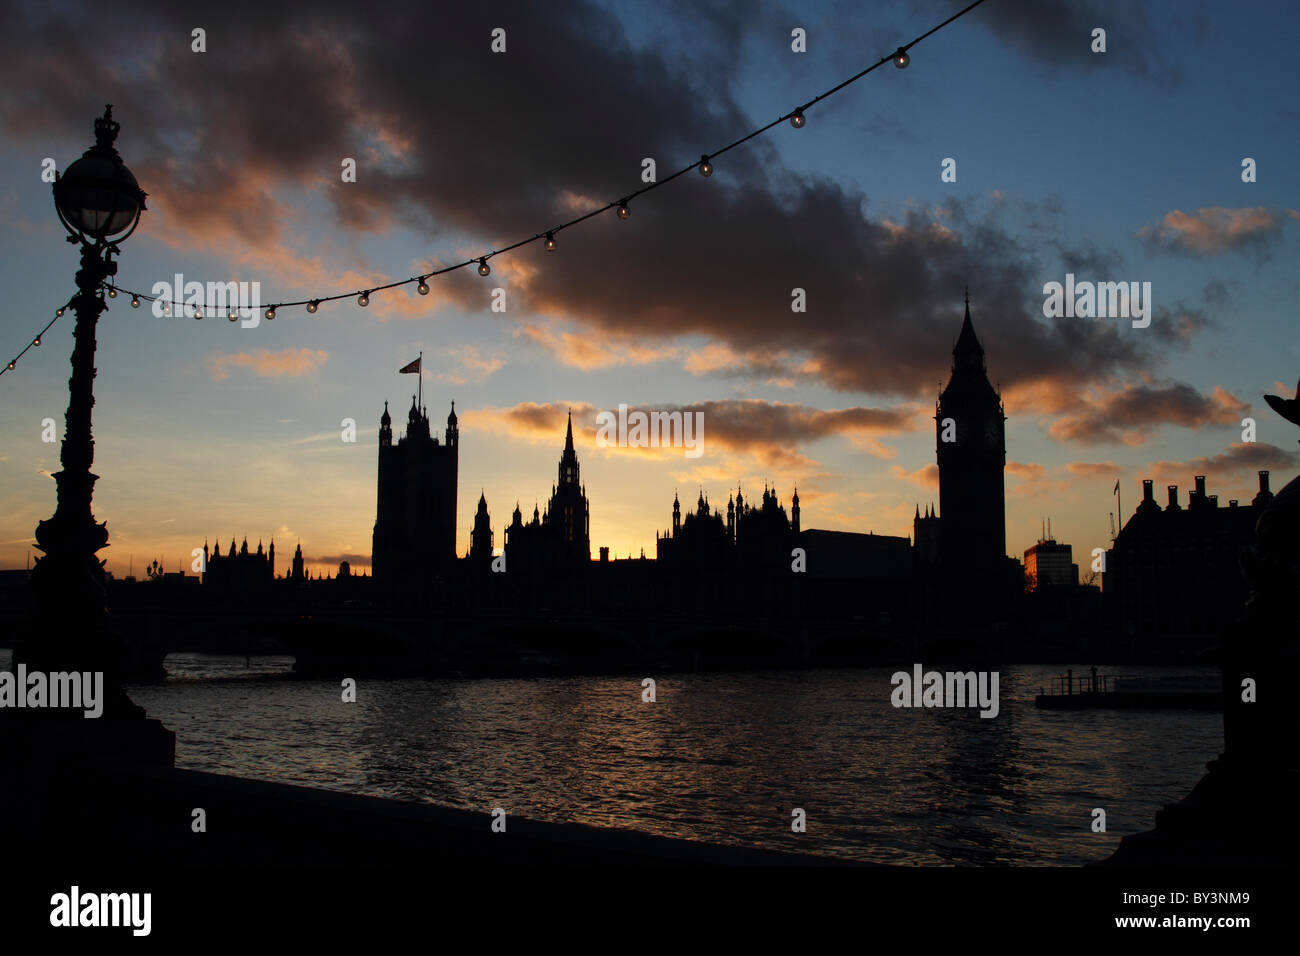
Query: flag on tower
[[1115, 492], [413, 367]]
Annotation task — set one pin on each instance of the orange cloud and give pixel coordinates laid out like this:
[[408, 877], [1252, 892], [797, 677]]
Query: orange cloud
[[927, 476], [289, 363], [1214, 229], [472, 366], [593, 350], [1023, 470], [535, 422], [1098, 469]]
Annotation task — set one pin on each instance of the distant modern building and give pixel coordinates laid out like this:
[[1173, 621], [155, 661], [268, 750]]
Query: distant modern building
[[1049, 564], [1172, 576], [415, 518]]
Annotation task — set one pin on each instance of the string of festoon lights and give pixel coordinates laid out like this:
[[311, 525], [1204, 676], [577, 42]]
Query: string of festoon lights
[[796, 117], [36, 339]]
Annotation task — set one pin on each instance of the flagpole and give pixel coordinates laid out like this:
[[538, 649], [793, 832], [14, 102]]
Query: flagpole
[[420, 385]]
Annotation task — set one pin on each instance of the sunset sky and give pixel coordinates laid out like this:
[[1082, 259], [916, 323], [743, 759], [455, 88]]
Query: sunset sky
[[1122, 166]]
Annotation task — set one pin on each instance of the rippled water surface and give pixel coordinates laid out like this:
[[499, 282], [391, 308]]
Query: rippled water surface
[[718, 757]]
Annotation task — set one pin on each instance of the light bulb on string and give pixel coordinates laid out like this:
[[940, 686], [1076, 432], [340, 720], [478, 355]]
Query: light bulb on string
[[798, 120], [59, 311], [231, 315], [36, 341], [11, 366]]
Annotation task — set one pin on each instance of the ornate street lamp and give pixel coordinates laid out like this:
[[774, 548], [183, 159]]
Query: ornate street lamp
[[99, 203]]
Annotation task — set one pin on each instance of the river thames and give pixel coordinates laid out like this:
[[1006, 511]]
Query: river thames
[[718, 757]]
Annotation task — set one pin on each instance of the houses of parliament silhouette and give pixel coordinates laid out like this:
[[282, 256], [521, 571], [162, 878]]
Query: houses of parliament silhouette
[[752, 559], [753, 554]]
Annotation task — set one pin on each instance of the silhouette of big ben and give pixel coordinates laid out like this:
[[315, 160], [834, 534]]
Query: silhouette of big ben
[[972, 499]]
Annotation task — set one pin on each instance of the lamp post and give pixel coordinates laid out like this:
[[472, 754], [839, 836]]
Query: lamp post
[[99, 203]]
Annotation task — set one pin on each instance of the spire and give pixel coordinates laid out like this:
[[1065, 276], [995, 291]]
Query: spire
[[385, 419], [968, 353], [568, 470]]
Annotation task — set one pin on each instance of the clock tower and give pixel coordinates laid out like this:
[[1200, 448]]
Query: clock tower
[[970, 427]]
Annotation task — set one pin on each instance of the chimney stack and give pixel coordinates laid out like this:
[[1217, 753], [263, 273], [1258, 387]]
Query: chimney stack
[[1200, 486], [1146, 490], [1263, 483], [1173, 498]]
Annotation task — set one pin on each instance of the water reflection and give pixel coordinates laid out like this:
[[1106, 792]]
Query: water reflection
[[718, 757]]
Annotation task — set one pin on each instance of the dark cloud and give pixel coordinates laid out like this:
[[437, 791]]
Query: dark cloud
[[354, 560], [1087, 258], [773, 432], [1058, 34], [1237, 463], [1217, 292], [454, 140], [1129, 413], [1178, 325]]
